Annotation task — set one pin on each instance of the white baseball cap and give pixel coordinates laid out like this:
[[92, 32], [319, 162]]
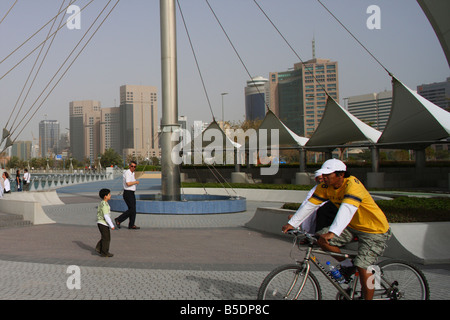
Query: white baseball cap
[[331, 166]]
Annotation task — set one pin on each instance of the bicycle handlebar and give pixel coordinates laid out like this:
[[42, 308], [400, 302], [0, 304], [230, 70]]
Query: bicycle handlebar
[[312, 238]]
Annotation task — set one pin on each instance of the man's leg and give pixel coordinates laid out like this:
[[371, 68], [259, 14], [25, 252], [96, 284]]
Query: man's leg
[[128, 201], [370, 247], [367, 283], [132, 210]]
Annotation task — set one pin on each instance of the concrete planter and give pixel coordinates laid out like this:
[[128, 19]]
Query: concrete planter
[[424, 243]]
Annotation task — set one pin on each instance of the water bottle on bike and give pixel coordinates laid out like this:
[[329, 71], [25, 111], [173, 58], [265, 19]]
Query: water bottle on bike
[[335, 273]]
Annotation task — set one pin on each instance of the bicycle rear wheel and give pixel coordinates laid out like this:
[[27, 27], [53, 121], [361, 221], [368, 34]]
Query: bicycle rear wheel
[[284, 282], [401, 280]]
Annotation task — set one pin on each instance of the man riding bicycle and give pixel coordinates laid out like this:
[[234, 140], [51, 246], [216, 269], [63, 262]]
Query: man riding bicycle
[[358, 217]]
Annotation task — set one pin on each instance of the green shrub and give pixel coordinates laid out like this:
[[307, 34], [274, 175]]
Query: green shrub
[[414, 209]]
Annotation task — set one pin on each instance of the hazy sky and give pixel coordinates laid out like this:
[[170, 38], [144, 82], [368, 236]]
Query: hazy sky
[[126, 50]]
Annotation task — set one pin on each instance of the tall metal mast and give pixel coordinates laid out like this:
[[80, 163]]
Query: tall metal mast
[[169, 170]]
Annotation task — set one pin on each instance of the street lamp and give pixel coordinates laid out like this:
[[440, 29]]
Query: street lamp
[[223, 118]]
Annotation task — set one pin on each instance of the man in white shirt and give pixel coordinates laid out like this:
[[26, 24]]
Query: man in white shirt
[[26, 180], [358, 216], [129, 186]]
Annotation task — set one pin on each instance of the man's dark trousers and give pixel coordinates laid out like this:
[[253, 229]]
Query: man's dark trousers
[[130, 200]]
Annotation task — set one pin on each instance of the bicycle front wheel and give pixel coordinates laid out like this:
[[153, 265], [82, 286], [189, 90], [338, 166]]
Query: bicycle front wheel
[[284, 283], [402, 280]]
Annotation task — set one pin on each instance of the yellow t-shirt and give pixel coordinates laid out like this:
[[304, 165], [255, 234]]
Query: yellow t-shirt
[[368, 218]]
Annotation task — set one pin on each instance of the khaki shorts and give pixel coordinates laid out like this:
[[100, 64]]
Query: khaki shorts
[[370, 245]]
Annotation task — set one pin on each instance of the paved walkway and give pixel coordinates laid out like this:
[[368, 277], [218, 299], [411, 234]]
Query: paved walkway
[[202, 257]]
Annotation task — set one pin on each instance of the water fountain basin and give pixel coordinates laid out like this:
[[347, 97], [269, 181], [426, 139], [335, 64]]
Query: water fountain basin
[[190, 204]]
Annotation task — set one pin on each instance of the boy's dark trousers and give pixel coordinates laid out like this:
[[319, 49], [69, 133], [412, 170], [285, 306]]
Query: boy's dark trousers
[[130, 200], [103, 245]]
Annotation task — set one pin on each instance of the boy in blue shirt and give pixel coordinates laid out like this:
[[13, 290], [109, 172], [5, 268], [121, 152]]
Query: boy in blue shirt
[[104, 223]]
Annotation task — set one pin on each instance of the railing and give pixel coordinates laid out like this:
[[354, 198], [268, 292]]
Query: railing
[[41, 182]]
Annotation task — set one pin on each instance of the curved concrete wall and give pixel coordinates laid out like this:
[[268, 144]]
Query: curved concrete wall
[[424, 243], [30, 210]]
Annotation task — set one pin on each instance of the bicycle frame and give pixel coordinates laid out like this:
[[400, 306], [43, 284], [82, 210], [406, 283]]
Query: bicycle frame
[[310, 257], [393, 279]]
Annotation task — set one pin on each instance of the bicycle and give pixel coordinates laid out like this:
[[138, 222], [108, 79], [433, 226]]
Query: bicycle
[[394, 279]]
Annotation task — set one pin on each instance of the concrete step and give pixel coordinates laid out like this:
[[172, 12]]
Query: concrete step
[[13, 221]]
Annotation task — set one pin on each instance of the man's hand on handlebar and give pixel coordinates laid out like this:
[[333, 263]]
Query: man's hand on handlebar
[[286, 228]]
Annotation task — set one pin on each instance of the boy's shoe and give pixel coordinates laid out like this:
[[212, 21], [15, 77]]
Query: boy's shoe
[[134, 228], [117, 223], [107, 255]]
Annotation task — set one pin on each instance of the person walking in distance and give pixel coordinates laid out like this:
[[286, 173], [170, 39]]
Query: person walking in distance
[[129, 186], [6, 183], [26, 180]]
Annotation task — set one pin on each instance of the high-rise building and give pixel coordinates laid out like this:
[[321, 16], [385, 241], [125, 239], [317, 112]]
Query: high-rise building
[[49, 138], [110, 130], [182, 121], [373, 108], [139, 121], [85, 118], [256, 98], [130, 129], [298, 97], [21, 150], [438, 93]]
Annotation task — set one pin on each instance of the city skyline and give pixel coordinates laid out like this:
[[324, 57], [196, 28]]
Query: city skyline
[[126, 50]]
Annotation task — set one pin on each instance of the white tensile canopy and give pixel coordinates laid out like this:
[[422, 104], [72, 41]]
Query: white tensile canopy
[[437, 12], [286, 136], [207, 138], [413, 119], [338, 127]]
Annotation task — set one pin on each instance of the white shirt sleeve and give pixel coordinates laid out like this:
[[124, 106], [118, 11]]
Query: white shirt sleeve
[[109, 221], [309, 195], [302, 213], [343, 218]]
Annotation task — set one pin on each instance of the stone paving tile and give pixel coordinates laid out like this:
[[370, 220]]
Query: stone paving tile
[[210, 257], [31, 281]]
